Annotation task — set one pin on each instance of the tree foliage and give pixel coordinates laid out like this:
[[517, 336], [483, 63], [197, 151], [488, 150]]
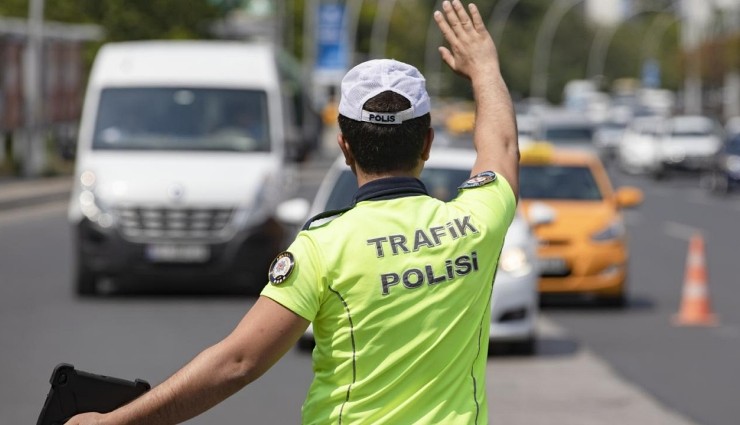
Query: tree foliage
[[412, 36]]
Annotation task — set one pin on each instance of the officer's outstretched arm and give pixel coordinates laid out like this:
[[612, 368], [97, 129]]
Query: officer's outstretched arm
[[265, 334], [473, 55]]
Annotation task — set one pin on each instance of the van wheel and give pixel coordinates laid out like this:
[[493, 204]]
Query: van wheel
[[86, 280]]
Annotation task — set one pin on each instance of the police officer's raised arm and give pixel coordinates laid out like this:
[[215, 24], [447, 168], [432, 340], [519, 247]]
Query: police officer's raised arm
[[473, 55]]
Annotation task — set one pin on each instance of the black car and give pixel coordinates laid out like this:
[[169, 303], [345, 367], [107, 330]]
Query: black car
[[725, 173]]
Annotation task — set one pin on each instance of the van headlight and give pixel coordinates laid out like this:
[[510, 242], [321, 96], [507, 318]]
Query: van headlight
[[90, 205], [515, 261], [615, 230]]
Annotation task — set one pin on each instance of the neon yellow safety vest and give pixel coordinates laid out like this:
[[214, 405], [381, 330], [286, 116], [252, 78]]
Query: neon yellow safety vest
[[398, 289]]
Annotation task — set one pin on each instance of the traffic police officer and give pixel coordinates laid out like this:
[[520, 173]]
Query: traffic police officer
[[398, 286]]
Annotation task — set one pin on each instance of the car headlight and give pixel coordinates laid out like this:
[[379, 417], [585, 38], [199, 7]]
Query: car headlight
[[615, 230], [515, 261], [732, 164]]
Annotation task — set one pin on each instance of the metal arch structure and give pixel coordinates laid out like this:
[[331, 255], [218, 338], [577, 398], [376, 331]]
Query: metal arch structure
[[655, 34], [381, 26], [603, 38], [499, 18], [543, 44], [432, 61]]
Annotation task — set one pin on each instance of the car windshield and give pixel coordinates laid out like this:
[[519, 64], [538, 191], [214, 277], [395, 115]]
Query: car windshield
[[441, 183], [182, 119], [558, 182], [691, 128], [568, 135]]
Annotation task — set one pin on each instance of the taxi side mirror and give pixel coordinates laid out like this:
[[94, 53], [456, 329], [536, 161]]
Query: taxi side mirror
[[628, 197]]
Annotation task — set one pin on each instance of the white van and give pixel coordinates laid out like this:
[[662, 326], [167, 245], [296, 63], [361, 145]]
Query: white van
[[181, 164]]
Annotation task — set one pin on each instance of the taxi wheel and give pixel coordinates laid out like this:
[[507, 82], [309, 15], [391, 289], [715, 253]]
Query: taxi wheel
[[617, 301]]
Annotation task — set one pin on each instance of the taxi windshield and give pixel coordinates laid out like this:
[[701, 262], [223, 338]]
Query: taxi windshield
[[182, 119], [562, 182], [441, 183]]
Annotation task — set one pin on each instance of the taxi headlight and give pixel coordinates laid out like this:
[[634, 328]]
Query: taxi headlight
[[615, 230], [515, 261]]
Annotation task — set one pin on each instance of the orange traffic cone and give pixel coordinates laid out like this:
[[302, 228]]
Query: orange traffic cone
[[695, 306]]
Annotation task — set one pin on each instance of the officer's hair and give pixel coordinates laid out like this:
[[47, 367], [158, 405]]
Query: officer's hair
[[381, 148]]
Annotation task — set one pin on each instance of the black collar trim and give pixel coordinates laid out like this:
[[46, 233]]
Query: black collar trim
[[390, 188], [377, 190]]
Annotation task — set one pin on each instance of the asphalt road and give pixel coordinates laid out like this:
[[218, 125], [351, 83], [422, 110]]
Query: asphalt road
[[691, 371]]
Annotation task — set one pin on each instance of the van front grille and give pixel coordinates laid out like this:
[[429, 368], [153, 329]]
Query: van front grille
[[173, 223]]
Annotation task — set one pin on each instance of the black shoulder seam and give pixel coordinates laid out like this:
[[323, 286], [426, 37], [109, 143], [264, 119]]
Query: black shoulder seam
[[354, 350], [325, 214]]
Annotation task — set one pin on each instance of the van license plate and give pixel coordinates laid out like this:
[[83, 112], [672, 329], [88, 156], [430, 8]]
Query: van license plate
[[175, 253]]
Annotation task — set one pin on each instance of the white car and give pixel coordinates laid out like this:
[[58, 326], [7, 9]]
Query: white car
[[566, 129], [690, 142], [515, 303], [637, 152]]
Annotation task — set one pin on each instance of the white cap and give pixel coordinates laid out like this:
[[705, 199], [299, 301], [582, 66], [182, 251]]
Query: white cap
[[373, 77]]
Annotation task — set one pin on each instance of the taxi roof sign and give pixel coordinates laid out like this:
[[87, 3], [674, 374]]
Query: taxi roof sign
[[537, 152], [461, 122]]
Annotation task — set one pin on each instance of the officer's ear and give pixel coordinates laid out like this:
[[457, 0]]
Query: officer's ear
[[349, 159], [428, 138]]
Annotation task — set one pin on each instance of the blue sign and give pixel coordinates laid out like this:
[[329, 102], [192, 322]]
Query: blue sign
[[651, 74], [331, 39]]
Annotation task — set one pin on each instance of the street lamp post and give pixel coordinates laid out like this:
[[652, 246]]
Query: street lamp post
[[381, 25], [33, 159], [543, 44]]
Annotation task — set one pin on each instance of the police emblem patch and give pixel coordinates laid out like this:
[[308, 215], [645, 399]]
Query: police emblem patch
[[281, 267], [479, 180]]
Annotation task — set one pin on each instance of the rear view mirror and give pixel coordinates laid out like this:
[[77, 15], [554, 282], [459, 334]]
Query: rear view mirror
[[628, 197], [293, 211]]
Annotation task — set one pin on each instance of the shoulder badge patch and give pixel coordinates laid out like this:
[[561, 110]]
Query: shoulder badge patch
[[281, 267], [479, 180]]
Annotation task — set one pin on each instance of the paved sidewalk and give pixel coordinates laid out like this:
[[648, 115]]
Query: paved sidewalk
[[567, 384], [18, 192]]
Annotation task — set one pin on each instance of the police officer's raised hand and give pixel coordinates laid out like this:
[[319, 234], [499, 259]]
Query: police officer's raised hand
[[472, 52], [473, 55]]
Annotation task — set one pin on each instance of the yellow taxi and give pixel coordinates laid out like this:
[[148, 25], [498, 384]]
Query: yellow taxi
[[577, 215]]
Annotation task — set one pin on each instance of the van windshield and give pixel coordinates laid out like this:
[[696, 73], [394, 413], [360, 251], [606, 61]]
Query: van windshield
[[182, 119]]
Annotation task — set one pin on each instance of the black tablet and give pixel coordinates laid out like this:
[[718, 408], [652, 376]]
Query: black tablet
[[74, 391]]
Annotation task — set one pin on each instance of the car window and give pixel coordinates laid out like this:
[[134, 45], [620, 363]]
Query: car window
[[559, 135], [558, 182], [182, 119], [733, 146], [441, 183]]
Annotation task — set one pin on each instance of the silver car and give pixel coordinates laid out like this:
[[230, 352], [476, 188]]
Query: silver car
[[514, 307]]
